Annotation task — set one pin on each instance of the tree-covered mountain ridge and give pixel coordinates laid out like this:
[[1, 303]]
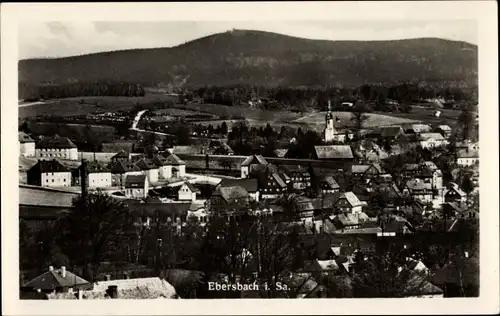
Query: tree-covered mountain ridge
[[269, 59]]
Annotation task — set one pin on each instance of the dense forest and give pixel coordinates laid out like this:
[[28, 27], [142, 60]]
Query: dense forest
[[30, 92], [269, 59]]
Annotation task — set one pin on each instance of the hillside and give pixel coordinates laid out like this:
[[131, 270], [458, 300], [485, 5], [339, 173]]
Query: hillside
[[269, 59]]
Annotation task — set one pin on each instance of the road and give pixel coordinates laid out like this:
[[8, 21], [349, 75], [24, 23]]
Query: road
[[33, 103]]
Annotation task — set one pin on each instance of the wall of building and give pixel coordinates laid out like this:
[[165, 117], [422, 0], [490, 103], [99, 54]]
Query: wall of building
[[99, 180], [185, 194], [65, 153], [56, 179], [467, 161], [27, 149]]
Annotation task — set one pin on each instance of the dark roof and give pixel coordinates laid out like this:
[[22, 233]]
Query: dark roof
[[123, 167], [95, 167], [135, 181], [250, 185], [44, 166], [146, 164], [159, 160], [55, 142], [43, 196], [25, 138], [51, 280], [255, 159], [191, 187]]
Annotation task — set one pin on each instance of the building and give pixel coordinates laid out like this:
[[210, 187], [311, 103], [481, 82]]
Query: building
[[390, 133], [467, 157], [49, 173], [416, 128], [136, 186], [127, 288], [174, 166], [366, 171], [149, 168], [56, 147], [301, 179], [249, 162], [26, 145], [327, 184], [348, 202], [188, 192], [99, 176], [330, 133], [419, 190], [432, 140], [251, 186], [121, 169], [56, 281], [445, 130], [455, 194], [334, 152]]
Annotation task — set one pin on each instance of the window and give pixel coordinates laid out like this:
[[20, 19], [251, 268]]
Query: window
[[52, 180], [64, 180], [47, 180]]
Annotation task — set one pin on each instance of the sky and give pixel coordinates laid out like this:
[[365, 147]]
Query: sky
[[68, 38]]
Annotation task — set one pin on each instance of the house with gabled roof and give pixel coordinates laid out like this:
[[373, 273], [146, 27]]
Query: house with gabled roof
[[249, 162], [467, 157], [250, 185], [136, 186], [56, 147], [99, 175], [121, 169], [327, 184], [56, 281], [348, 202], [49, 173], [367, 171], [419, 190], [174, 166], [432, 140], [26, 145], [188, 192], [453, 193]]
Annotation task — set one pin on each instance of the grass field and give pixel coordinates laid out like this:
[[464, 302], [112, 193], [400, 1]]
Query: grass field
[[72, 106], [373, 119]]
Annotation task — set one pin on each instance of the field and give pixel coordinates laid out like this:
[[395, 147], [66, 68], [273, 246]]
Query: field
[[73, 106], [373, 119]]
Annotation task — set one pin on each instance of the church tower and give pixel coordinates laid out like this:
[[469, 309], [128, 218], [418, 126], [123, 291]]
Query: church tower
[[330, 131]]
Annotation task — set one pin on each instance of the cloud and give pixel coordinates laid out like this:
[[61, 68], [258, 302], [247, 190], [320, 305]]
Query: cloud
[[58, 39]]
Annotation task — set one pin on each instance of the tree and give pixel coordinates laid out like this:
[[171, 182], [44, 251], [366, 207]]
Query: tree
[[359, 116], [466, 121], [386, 273], [223, 128], [467, 185], [94, 231]]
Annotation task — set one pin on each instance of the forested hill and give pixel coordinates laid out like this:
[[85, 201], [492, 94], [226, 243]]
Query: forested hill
[[269, 59]]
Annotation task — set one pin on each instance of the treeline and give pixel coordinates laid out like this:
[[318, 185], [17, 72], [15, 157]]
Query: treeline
[[30, 92], [296, 98]]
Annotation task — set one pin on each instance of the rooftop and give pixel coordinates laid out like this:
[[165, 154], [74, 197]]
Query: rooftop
[[135, 181], [56, 142], [334, 152], [25, 138], [55, 278], [44, 166]]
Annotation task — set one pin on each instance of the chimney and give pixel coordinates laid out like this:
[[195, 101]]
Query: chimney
[[79, 292], [107, 277], [63, 271], [84, 177], [466, 254], [51, 268], [112, 291]]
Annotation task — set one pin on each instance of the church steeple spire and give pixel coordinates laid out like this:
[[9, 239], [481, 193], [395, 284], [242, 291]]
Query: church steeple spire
[[329, 115]]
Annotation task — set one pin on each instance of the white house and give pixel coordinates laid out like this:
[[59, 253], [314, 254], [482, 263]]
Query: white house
[[174, 167], [188, 192], [199, 212], [56, 147], [348, 202], [26, 145], [249, 161], [432, 140], [99, 176], [49, 173], [136, 186], [466, 157]]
